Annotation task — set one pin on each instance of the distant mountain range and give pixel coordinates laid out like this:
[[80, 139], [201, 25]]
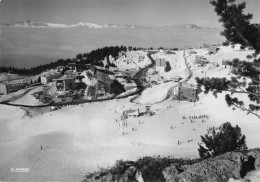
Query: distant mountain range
[[29, 23], [191, 26]]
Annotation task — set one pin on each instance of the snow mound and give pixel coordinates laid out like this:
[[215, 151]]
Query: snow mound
[[28, 98], [131, 61]]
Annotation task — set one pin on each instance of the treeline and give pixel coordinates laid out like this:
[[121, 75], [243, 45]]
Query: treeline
[[35, 70], [245, 68], [94, 57]]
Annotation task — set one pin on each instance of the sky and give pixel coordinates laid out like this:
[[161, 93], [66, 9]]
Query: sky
[[131, 12]]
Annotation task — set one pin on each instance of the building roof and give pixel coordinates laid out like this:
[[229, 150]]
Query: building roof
[[213, 48], [112, 77], [119, 74], [121, 80], [14, 81], [160, 62], [50, 73], [214, 63], [127, 112], [70, 73], [112, 68], [225, 62], [188, 85], [66, 78]]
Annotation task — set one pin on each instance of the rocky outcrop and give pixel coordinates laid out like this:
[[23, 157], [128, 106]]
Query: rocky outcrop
[[130, 175], [216, 169], [229, 167], [98, 177]]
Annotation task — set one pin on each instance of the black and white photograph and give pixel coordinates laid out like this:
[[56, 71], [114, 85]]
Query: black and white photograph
[[129, 90]]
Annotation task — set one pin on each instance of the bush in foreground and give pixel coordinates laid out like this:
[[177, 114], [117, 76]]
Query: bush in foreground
[[227, 139], [151, 168]]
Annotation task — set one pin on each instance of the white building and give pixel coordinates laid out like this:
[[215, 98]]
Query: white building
[[160, 65], [213, 49], [12, 85], [131, 113], [122, 54], [105, 61], [141, 58], [225, 63], [65, 83], [48, 77]]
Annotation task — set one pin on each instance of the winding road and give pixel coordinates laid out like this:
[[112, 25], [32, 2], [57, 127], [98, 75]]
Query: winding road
[[175, 84], [137, 78], [140, 75]]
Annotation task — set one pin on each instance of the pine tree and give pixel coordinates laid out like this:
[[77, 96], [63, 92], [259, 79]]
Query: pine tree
[[39, 80], [238, 30], [227, 139], [237, 26]]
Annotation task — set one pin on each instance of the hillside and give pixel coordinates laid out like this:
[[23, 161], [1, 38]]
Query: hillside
[[229, 167], [130, 61], [86, 137]]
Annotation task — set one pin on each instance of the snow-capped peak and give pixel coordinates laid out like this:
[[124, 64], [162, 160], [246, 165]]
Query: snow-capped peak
[[86, 24]]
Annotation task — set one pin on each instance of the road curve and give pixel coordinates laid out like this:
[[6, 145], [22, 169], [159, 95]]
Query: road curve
[[137, 78], [140, 74], [170, 92], [171, 89]]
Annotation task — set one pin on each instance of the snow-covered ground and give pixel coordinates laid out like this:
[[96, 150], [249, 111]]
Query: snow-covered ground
[[131, 60], [224, 53], [13, 95], [157, 93], [28, 98], [176, 61], [78, 139], [178, 68]]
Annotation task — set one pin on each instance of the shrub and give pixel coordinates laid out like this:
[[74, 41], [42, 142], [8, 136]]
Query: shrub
[[151, 167], [227, 139], [249, 56], [226, 43]]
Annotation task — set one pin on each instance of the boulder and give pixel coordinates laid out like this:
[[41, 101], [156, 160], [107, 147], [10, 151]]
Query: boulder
[[216, 169]]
